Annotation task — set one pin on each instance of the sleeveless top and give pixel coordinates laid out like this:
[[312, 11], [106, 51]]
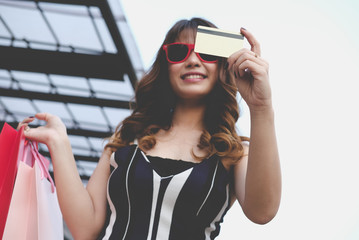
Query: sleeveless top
[[147, 204]]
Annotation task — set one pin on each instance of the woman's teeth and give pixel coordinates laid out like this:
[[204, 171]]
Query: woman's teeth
[[193, 76]]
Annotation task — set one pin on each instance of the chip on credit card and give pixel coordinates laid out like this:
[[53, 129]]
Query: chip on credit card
[[217, 42]]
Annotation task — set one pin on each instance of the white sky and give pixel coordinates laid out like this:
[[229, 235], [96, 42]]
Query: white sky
[[313, 53]]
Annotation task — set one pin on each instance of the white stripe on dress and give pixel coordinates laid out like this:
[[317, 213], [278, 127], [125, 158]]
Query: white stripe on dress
[[169, 200], [210, 189], [218, 218], [128, 194], [112, 207], [156, 188]]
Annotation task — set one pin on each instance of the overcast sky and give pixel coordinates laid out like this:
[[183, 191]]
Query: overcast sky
[[314, 71]]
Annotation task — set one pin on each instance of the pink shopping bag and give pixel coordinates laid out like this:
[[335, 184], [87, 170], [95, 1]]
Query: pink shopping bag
[[34, 211]]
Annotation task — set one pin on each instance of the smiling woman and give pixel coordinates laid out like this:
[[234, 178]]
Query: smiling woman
[[192, 78], [176, 165], [190, 82]]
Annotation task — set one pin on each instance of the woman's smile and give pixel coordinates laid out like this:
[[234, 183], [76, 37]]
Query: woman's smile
[[193, 77]]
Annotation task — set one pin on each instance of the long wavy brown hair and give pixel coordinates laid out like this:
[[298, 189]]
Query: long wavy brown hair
[[155, 101]]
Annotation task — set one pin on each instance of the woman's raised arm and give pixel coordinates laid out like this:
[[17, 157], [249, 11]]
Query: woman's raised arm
[[83, 209]]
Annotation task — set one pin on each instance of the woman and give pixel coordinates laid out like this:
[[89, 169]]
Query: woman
[[176, 165]]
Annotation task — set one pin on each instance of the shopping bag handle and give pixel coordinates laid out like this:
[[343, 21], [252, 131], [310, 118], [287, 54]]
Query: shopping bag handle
[[44, 163], [22, 143]]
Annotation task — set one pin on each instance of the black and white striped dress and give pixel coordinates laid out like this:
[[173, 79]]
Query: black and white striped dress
[[147, 205]]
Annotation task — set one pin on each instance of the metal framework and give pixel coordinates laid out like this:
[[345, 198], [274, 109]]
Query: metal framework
[[90, 88]]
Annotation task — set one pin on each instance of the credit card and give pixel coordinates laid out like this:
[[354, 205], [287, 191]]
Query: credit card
[[217, 42]]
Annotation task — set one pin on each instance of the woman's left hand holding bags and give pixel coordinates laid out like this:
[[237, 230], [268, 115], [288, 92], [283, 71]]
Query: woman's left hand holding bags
[[52, 132], [83, 208]]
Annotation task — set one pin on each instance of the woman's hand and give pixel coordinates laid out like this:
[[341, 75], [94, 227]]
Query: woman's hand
[[53, 132], [251, 73], [84, 210]]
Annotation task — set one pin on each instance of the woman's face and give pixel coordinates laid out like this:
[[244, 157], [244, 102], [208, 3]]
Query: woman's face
[[192, 79]]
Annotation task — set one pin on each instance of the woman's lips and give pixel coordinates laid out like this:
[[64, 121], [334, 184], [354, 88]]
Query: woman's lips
[[193, 77]]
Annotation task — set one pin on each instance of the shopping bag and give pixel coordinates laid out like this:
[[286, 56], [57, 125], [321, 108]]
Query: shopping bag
[[11, 146], [34, 211]]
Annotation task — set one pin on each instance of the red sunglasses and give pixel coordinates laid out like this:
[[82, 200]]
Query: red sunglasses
[[179, 52]]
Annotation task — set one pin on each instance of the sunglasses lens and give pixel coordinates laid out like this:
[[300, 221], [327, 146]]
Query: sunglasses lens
[[177, 52], [208, 58]]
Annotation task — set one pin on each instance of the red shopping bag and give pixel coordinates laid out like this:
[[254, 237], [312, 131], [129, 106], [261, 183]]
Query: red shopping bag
[[11, 145], [34, 206]]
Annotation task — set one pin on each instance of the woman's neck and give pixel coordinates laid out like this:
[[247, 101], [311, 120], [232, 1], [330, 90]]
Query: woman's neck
[[188, 116]]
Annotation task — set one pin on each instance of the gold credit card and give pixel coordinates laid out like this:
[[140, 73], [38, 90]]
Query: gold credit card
[[214, 41]]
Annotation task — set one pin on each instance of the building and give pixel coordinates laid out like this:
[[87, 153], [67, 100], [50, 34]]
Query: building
[[73, 58]]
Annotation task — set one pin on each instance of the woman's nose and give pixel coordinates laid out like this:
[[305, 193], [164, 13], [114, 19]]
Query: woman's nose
[[192, 59]]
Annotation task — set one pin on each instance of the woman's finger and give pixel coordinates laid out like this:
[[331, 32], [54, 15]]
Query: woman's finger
[[25, 122], [255, 46], [43, 116], [241, 54], [239, 70], [249, 55], [247, 67]]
